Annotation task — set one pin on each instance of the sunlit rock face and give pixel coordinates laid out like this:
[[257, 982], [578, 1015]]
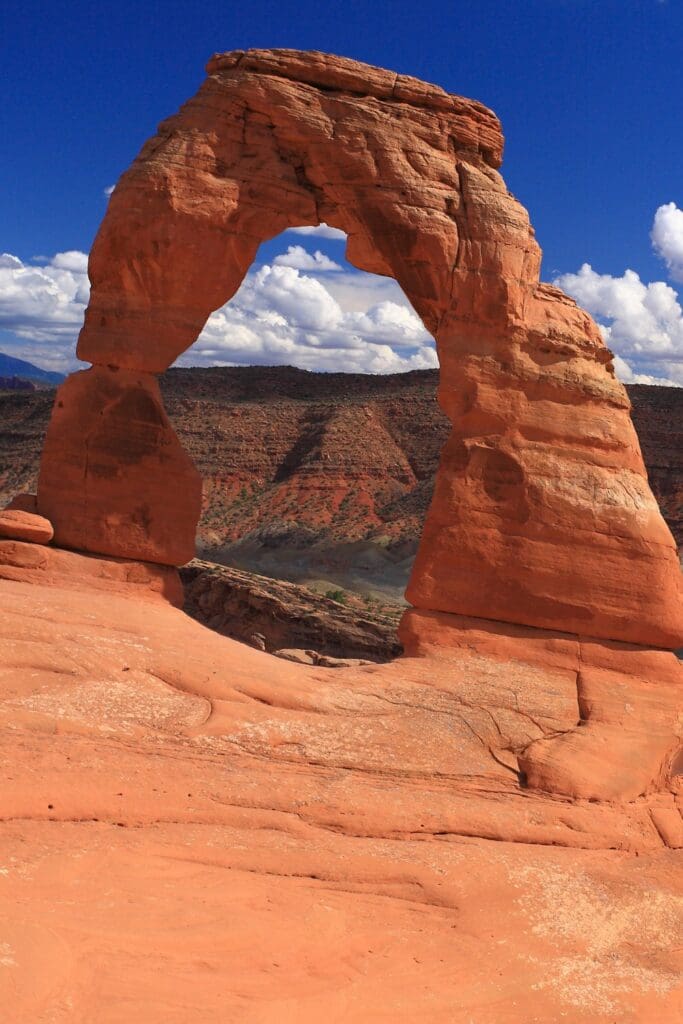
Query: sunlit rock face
[[542, 513], [114, 475]]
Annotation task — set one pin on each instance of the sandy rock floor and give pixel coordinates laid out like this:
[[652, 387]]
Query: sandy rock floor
[[195, 831]]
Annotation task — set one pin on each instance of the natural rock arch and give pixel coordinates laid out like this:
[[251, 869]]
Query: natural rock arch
[[542, 513]]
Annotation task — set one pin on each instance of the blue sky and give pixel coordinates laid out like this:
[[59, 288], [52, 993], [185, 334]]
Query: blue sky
[[589, 93]]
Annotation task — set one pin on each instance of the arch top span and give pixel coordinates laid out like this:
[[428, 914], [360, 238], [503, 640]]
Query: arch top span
[[473, 123], [542, 513], [276, 139]]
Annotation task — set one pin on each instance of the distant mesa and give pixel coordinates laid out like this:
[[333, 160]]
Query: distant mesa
[[322, 476]]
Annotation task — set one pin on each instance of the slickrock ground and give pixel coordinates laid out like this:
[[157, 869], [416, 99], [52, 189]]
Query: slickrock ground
[[193, 830], [327, 476]]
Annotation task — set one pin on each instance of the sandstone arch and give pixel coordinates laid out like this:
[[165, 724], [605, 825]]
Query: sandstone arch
[[542, 513]]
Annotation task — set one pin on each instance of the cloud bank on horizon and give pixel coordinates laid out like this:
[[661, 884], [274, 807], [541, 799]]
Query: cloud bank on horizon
[[305, 309], [43, 307], [302, 308], [641, 323]]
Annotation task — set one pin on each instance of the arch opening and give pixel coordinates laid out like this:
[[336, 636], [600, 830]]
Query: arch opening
[[302, 302], [323, 362]]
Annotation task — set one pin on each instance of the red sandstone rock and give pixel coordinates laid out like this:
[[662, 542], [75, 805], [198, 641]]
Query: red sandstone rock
[[71, 570], [488, 830], [114, 478], [193, 830], [627, 733], [17, 524], [542, 512]]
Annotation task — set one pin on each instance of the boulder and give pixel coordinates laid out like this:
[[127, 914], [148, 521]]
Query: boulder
[[16, 524], [322, 660], [296, 655]]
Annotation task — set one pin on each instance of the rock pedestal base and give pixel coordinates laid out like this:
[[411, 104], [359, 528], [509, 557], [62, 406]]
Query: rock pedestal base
[[627, 736], [73, 570]]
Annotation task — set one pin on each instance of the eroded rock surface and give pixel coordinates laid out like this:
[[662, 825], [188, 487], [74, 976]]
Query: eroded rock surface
[[279, 615], [542, 479], [113, 474], [20, 524], [71, 570], [193, 830]]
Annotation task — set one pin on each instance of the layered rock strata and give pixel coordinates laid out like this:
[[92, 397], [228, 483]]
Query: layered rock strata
[[271, 614], [542, 479], [290, 459]]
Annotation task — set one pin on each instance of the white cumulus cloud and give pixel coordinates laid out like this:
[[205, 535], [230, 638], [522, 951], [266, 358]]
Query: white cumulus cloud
[[108, 190], [321, 231], [44, 304], [667, 238], [299, 258], [641, 322], [280, 315], [317, 320], [626, 374]]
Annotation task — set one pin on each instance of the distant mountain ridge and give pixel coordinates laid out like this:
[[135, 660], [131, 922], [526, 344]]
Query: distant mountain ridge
[[11, 367]]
